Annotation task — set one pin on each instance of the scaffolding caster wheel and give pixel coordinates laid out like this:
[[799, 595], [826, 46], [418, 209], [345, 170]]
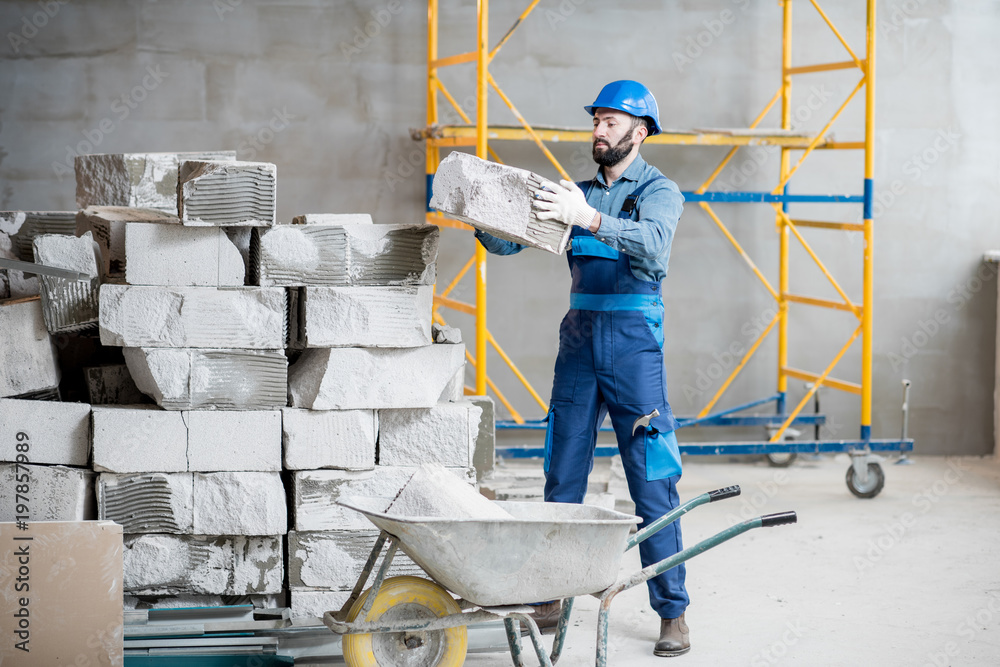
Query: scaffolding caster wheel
[[402, 600], [865, 478]]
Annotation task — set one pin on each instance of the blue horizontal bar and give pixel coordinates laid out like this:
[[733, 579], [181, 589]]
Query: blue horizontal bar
[[694, 421], [744, 448], [761, 420], [767, 197]]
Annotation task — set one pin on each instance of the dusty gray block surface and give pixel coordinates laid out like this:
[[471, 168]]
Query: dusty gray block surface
[[147, 602], [310, 603], [56, 433], [443, 434], [68, 305], [193, 317], [334, 560], [147, 503], [174, 255], [352, 378], [191, 379], [24, 226], [225, 440], [111, 385], [484, 458], [27, 356], [316, 439], [53, 493], [138, 180], [239, 503], [494, 198], [315, 494], [138, 440], [332, 219], [107, 224], [227, 194], [367, 316], [193, 564], [342, 255]]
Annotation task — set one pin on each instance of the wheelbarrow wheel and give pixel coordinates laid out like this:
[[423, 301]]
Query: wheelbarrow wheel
[[403, 599], [871, 487]]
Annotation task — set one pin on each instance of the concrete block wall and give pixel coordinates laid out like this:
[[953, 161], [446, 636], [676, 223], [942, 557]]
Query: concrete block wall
[[226, 484]]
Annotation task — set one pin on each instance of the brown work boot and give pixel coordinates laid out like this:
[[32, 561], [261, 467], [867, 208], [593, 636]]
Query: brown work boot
[[674, 638], [546, 617]]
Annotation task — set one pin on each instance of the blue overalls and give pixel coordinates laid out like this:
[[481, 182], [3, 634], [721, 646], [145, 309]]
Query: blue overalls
[[611, 362]]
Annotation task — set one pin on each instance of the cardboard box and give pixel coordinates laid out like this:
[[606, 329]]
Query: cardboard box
[[61, 593]]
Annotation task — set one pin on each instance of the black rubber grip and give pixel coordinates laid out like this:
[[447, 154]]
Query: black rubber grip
[[779, 519], [722, 494]]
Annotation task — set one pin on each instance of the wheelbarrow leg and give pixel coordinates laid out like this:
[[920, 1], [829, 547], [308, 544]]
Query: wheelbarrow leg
[[515, 639], [560, 638], [657, 569], [513, 629]]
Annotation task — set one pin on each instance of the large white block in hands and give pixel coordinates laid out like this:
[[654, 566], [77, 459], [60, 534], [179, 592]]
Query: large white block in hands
[[353, 378], [346, 254], [227, 194], [198, 317], [496, 199]]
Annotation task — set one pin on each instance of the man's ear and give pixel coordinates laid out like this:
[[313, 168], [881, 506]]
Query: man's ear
[[640, 134]]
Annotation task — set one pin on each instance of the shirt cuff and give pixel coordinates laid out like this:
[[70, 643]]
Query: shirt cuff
[[609, 230]]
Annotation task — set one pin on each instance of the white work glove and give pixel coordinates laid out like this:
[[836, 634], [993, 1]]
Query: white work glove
[[564, 202]]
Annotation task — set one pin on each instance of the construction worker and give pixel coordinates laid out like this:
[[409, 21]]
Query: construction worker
[[611, 341]]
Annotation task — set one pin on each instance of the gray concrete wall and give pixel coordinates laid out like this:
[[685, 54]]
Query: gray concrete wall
[[299, 83]]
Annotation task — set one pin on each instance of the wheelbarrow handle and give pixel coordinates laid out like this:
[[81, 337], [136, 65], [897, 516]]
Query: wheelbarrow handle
[[722, 494], [779, 519]]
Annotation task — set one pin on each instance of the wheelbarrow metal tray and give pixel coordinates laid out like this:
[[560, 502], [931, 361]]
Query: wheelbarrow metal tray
[[547, 551]]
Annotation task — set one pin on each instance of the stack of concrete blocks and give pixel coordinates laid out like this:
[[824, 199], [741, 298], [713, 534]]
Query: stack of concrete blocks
[[18, 230], [196, 480], [372, 394]]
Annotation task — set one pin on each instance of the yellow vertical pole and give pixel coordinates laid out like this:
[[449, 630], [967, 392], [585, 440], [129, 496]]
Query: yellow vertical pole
[[482, 77], [786, 124], [869, 271], [432, 152]]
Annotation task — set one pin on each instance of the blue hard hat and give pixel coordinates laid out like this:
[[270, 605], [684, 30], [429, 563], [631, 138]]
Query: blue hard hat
[[631, 97]]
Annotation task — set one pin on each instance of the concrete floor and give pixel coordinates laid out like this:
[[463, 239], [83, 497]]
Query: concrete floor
[[908, 578]]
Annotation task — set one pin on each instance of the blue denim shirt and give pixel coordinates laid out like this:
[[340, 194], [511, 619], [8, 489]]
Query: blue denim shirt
[[647, 240]]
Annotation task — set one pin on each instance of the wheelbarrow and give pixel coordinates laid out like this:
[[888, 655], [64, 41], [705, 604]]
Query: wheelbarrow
[[496, 567]]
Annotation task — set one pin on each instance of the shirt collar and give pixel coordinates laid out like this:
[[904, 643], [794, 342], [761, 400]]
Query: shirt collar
[[632, 173]]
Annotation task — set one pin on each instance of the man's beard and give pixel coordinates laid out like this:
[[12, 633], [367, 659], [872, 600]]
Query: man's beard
[[612, 155]]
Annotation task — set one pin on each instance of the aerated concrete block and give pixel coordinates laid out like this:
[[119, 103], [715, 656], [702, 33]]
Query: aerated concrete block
[[68, 305], [226, 194], [332, 219], [174, 255], [310, 603], [56, 433], [239, 503], [344, 255], [443, 434], [147, 503], [184, 564], [366, 316], [484, 458], [353, 378], [24, 226], [315, 494], [148, 602], [138, 180], [107, 224], [138, 440], [47, 493], [27, 356], [234, 441], [316, 439], [111, 385], [193, 317], [189, 379], [334, 560], [494, 198]]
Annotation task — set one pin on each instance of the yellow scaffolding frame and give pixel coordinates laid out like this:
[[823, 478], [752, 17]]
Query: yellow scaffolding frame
[[479, 134]]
